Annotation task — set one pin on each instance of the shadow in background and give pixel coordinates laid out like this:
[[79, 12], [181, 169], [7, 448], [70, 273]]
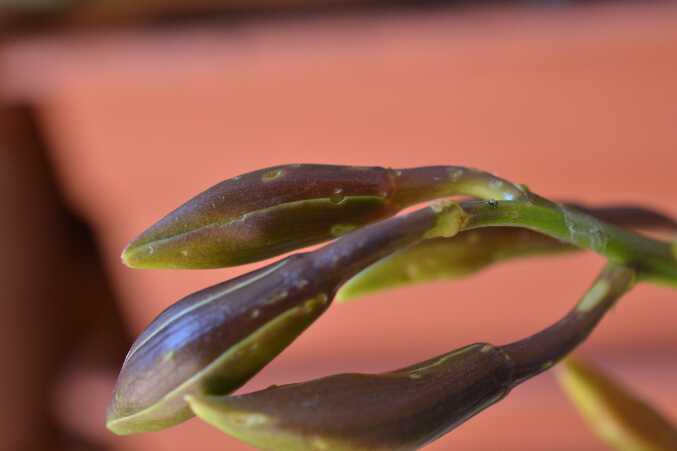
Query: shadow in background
[[58, 313]]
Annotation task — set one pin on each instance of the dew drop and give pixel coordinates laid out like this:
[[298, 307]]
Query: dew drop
[[253, 419], [496, 184], [301, 283], [337, 196], [272, 175], [455, 174], [277, 297]]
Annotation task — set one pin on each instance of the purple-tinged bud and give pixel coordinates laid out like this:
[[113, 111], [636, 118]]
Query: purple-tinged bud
[[262, 214], [407, 408], [213, 341], [276, 210], [399, 410]]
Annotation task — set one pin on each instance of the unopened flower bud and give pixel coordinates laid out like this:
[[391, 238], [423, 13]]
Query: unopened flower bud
[[402, 410], [272, 211], [407, 408], [262, 214], [213, 341]]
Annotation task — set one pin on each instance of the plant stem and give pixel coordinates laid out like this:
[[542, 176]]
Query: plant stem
[[539, 352], [511, 204], [652, 259], [415, 185]]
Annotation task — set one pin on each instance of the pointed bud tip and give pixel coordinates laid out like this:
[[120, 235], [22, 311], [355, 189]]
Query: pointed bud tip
[[130, 424], [141, 256], [119, 424], [116, 426], [127, 258], [254, 428], [132, 256]]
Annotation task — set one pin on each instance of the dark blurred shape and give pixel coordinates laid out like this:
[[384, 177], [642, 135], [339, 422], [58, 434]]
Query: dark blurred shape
[[19, 15], [630, 216], [58, 307]]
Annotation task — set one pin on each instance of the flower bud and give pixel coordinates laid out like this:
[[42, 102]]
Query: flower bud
[[399, 410], [213, 341], [407, 408], [262, 214], [272, 211]]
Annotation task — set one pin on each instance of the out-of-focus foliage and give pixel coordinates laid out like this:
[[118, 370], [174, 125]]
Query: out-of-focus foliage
[[618, 416]]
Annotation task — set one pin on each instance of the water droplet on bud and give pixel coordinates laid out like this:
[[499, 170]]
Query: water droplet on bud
[[337, 196], [272, 175]]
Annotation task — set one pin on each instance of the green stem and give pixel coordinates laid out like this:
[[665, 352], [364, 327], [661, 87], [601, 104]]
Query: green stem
[[653, 260], [511, 204]]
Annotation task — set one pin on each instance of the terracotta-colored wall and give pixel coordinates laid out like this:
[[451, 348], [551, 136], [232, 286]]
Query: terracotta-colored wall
[[578, 104]]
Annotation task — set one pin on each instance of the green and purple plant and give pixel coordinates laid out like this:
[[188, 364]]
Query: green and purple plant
[[191, 358]]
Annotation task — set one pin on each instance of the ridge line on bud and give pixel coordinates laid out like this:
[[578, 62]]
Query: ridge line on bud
[[413, 406], [406, 408], [188, 348], [251, 347], [275, 210]]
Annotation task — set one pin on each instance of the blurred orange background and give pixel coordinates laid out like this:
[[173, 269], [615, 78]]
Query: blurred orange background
[[578, 103]]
